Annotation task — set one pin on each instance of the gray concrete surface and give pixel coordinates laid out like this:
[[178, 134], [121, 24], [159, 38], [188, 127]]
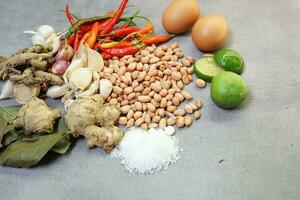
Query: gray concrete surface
[[259, 142]]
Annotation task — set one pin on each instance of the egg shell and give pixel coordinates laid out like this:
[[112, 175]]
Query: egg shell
[[210, 32], [180, 16]]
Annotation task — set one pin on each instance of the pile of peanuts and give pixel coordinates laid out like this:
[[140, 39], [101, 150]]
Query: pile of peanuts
[[148, 87]]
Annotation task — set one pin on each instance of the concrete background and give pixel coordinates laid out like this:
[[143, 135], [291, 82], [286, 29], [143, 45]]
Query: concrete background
[[259, 142]]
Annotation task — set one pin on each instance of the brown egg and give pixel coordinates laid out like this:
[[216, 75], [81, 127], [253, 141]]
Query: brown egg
[[210, 32], [180, 16]]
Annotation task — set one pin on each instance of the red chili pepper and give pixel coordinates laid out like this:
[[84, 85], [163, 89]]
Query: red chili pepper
[[69, 16], [148, 28], [124, 31], [108, 37], [120, 52], [106, 55], [87, 27], [93, 35], [116, 18], [76, 41], [71, 40], [157, 39]]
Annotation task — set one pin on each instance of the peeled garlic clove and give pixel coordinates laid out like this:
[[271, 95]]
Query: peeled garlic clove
[[56, 91], [81, 79], [38, 39], [68, 103], [7, 90], [95, 60], [96, 76], [93, 89], [105, 88], [45, 31], [23, 93], [75, 65]]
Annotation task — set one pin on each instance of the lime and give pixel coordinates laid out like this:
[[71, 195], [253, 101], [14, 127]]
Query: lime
[[230, 60], [228, 90], [206, 68]]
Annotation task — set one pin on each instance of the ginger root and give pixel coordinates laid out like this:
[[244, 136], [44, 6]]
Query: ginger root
[[18, 66], [36, 117], [89, 117]]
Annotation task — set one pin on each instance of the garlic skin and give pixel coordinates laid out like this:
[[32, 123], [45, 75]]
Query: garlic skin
[[105, 88], [68, 103], [7, 90], [23, 93], [56, 91], [45, 31], [54, 42], [81, 79]]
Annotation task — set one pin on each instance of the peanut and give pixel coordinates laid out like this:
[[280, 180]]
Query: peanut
[[144, 99], [130, 122], [139, 121], [179, 112], [186, 95], [123, 120], [200, 83], [188, 120], [125, 109], [163, 123], [180, 122], [197, 115], [188, 108]]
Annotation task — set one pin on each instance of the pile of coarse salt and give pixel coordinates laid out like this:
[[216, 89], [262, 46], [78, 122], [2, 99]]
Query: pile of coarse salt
[[145, 152]]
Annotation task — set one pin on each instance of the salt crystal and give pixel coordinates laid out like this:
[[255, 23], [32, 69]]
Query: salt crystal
[[145, 152]]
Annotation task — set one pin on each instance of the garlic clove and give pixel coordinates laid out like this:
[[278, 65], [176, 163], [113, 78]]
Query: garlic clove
[[81, 79], [96, 76], [45, 31], [92, 89], [37, 39], [105, 88], [23, 93], [7, 90], [75, 65], [56, 91], [95, 60]]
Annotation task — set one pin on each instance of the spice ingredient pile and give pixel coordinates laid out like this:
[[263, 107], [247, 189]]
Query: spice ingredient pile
[[122, 89]]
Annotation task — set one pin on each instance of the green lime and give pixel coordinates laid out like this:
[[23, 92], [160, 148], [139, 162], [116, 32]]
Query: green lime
[[206, 68], [228, 90], [230, 60]]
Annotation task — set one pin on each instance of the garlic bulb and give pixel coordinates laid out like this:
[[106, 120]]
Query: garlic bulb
[[105, 88], [37, 39], [45, 31], [81, 79], [56, 91], [7, 90]]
